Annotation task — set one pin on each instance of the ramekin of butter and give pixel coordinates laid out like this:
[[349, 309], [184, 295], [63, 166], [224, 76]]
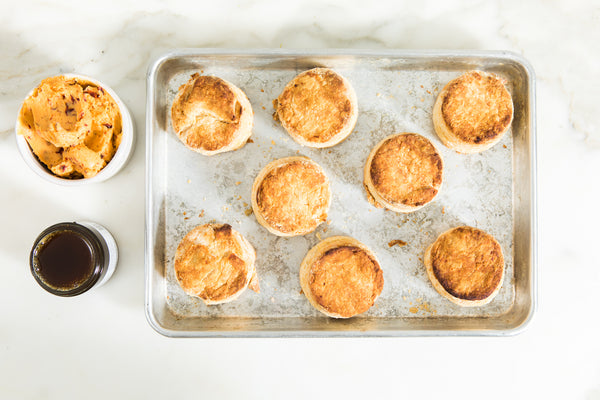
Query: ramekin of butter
[[74, 130]]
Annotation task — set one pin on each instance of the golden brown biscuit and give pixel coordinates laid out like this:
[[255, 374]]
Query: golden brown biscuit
[[211, 115], [341, 277], [403, 172], [466, 266], [473, 112], [215, 263], [318, 108], [291, 196]]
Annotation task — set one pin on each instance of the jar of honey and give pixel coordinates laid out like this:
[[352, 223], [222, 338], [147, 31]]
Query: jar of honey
[[70, 258]]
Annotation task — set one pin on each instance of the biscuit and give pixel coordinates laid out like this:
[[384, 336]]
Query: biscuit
[[211, 116], [291, 196], [215, 263], [466, 266], [341, 277], [473, 112], [403, 172], [318, 108]]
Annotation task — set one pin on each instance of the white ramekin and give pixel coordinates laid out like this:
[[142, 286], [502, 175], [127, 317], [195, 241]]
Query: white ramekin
[[122, 155]]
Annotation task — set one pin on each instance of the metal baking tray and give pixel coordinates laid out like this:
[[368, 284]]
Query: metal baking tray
[[494, 190]]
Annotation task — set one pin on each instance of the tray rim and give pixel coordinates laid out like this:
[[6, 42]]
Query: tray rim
[[514, 57]]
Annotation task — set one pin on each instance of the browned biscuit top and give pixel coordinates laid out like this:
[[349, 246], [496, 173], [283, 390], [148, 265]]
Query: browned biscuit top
[[294, 197], [315, 105], [346, 280], [206, 113], [407, 169], [210, 262], [468, 263], [477, 107]]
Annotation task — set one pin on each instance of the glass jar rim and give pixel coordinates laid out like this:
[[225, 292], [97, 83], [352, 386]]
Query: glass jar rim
[[92, 242]]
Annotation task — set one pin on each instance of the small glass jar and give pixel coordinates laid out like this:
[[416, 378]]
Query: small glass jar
[[70, 258]]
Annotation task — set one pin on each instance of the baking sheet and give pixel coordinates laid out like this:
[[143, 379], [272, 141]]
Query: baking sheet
[[395, 94]]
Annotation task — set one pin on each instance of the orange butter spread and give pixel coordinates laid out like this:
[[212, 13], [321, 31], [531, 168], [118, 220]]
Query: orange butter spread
[[73, 126]]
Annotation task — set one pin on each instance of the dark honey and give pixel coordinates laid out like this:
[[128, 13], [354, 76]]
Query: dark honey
[[67, 259]]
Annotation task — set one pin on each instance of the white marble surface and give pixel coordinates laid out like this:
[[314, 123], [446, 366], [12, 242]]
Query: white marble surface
[[100, 346]]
